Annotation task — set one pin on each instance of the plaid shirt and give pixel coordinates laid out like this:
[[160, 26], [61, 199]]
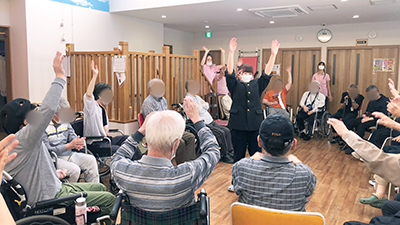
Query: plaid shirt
[[273, 182], [153, 183], [153, 104]]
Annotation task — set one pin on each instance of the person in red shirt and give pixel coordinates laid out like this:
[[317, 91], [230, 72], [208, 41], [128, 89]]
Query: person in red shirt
[[275, 99]]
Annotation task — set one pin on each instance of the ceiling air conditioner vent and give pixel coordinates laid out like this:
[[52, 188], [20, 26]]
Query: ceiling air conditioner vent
[[279, 12], [381, 2]]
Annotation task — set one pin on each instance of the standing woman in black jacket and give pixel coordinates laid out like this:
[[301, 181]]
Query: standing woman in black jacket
[[246, 113]]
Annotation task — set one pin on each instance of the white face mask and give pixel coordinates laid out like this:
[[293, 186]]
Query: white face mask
[[246, 78], [321, 67], [209, 63]]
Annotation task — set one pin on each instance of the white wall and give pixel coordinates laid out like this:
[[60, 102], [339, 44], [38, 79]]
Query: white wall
[[87, 29], [343, 35], [4, 13], [181, 41]]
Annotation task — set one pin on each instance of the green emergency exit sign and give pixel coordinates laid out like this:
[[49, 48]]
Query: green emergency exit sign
[[208, 34]]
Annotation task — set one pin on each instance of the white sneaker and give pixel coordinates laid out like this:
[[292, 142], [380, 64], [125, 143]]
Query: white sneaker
[[231, 189], [372, 182]]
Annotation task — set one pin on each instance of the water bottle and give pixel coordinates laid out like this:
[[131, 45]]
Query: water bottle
[[80, 211]]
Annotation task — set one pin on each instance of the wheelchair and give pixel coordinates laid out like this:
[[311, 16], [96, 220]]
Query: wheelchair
[[57, 211], [102, 158], [196, 213], [321, 129], [189, 125]]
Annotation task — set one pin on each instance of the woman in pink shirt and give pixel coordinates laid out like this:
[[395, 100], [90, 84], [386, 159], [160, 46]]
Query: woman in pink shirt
[[209, 69], [323, 78]]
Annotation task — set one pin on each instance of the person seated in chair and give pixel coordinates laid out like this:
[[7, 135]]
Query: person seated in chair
[[153, 183], [222, 133], [275, 99], [96, 121], [350, 105], [377, 103], [156, 102], [61, 139], [33, 166], [311, 101], [274, 179]]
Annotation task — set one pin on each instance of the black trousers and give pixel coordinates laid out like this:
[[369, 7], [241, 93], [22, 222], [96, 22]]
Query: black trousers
[[361, 127], [242, 140], [223, 136], [379, 136], [394, 148], [390, 212], [301, 117], [348, 116]]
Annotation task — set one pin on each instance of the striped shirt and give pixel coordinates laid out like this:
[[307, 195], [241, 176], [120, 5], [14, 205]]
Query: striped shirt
[[153, 183], [273, 182]]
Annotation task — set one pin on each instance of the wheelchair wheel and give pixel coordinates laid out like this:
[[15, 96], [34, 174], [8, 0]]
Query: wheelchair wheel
[[325, 127], [42, 220]]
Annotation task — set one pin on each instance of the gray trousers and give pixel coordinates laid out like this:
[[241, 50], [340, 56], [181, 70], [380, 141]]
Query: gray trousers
[[272, 110], [77, 162]]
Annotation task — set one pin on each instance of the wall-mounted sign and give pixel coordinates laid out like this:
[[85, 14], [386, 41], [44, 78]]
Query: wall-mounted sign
[[208, 34], [384, 65], [276, 69], [362, 42]]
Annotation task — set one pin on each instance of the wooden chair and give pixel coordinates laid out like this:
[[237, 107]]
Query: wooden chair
[[243, 214]]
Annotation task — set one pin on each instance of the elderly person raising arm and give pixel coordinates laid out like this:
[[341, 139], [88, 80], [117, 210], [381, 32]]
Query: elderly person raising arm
[[174, 186]]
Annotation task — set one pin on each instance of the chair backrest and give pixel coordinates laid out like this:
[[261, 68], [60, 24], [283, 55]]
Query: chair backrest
[[140, 119], [77, 125], [189, 215], [14, 195], [243, 214]]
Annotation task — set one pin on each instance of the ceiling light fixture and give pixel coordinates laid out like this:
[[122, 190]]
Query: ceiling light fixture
[[271, 22], [344, 0], [239, 9], [164, 16], [356, 16], [207, 26]]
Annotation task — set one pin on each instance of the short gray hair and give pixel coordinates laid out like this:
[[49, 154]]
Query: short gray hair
[[62, 104], [163, 128], [152, 81]]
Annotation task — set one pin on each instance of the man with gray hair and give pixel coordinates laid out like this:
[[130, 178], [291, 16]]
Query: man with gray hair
[[61, 139], [153, 183], [156, 102]]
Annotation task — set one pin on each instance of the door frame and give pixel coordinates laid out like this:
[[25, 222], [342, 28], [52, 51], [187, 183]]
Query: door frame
[[9, 76]]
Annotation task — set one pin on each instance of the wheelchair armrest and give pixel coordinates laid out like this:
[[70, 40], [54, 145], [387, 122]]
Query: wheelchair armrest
[[51, 202], [117, 205], [97, 138], [203, 203], [116, 131]]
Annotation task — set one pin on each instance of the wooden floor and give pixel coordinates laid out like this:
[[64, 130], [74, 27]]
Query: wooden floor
[[341, 181]]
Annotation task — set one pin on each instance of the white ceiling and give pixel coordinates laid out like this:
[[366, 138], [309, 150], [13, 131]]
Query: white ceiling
[[223, 15]]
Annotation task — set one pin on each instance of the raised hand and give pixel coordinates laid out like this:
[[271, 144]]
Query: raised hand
[[95, 70], [289, 69], [338, 125], [394, 106], [57, 66], [142, 129], [240, 62], [384, 120], [233, 45], [222, 50], [5, 149], [207, 50], [275, 47], [191, 109], [392, 88]]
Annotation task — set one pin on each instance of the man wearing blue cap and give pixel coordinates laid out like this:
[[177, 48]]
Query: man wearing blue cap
[[275, 179]]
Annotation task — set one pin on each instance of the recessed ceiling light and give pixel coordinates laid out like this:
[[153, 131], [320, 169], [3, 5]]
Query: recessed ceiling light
[[207, 26], [271, 22], [163, 16], [239, 9], [344, 0], [356, 16]]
